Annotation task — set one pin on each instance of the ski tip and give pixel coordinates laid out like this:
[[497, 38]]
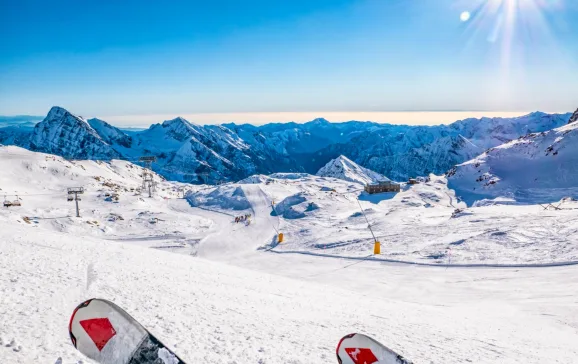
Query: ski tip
[[83, 304], [362, 349], [348, 336]]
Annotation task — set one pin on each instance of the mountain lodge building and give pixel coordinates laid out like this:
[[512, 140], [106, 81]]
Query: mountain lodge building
[[382, 186]]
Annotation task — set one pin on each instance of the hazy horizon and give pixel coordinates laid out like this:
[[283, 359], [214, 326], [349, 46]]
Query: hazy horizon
[[261, 118]]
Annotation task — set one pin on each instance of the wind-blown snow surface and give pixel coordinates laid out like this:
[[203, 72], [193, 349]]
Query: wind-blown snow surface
[[538, 167], [345, 169], [214, 313], [263, 303]]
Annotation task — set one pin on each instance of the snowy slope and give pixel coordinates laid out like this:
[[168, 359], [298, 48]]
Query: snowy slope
[[345, 169], [538, 167], [112, 207], [214, 313], [316, 214], [321, 216], [271, 306], [270, 302]]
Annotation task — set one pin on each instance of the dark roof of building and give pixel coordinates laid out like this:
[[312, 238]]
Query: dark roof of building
[[382, 183]]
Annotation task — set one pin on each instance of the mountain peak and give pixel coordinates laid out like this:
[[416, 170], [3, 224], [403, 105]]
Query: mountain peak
[[56, 112], [70, 136], [180, 125], [319, 121], [178, 121], [346, 169], [536, 114], [343, 159]]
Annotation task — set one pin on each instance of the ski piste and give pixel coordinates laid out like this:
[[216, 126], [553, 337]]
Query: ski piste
[[361, 349], [107, 334]]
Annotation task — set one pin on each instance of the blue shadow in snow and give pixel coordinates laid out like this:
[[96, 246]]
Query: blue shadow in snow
[[376, 197]]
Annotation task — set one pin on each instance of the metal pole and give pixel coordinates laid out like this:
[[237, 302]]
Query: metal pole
[[150, 189], [75, 191], [368, 224], [76, 200]]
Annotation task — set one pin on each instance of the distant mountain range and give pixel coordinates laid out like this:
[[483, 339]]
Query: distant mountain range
[[20, 120], [198, 154]]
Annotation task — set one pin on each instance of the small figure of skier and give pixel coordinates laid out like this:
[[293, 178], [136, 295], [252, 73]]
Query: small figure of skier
[[243, 218]]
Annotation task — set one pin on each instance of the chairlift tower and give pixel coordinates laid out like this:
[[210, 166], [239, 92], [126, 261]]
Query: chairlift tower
[[182, 191], [75, 191], [147, 175]]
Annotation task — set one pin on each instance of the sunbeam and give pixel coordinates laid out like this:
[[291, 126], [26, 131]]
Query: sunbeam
[[512, 25]]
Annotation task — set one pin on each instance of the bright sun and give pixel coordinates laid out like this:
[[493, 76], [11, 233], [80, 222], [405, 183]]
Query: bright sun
[[509, 23]]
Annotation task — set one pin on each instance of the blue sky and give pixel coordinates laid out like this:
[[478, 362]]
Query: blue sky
[[117, 58]]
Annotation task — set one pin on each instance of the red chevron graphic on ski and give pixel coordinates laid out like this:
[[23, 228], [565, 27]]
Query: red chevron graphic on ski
[[361, 355]]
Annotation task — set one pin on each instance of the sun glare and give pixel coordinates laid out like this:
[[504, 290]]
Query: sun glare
[[510, 24]]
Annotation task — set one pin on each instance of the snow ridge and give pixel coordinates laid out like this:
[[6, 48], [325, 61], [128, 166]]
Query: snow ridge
[[109, 133]]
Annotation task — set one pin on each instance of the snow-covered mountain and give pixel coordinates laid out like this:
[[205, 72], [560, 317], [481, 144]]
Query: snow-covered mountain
[[537, 167], [346, 169], [400, 151], [193, 153], [70, 136], [110, 134], [18, 135]]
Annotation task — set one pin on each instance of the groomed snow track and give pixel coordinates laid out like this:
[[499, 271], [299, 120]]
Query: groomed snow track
[[395, 261]]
